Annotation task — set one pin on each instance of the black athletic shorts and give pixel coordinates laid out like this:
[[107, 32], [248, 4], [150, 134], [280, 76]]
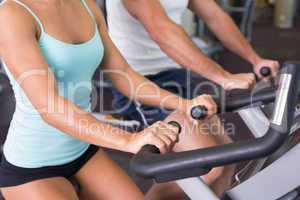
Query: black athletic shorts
[[11, 175]]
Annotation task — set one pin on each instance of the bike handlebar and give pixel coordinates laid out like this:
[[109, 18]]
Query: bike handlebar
[[172, 166], [267, 95]]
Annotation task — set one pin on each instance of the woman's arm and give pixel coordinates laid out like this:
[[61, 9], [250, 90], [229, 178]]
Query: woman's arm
[[20, 51]]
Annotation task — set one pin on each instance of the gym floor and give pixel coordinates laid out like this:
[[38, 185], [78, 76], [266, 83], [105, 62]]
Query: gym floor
[[269, 41]]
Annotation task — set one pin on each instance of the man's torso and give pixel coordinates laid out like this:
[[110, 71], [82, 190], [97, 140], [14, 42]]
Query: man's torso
[[135, 43]]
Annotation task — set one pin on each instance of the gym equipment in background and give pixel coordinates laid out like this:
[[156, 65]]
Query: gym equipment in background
[[208, 43], [7, 105], [285, 11]]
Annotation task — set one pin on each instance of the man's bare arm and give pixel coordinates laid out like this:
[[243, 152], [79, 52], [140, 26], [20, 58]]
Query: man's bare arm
[[173, 40], [229, 34]]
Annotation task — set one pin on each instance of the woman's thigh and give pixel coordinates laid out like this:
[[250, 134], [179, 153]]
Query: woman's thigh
[[45, 189], [102, 178]]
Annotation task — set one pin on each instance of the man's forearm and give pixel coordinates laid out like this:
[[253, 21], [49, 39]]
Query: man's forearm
[[177, 45], [229, 34], [173, 40]]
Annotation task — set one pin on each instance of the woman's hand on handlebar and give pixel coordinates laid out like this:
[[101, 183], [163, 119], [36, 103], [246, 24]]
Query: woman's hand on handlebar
[[271, 64], [162, 135], [239, 81]]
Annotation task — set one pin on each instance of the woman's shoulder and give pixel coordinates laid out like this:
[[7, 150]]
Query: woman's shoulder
[[16, 27], [15, 17]]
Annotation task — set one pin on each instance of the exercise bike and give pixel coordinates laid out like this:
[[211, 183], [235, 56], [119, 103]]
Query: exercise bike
[[279, 180]]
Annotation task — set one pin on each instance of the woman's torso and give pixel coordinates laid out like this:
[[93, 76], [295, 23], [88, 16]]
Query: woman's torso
[[31, 142], [130, 36]]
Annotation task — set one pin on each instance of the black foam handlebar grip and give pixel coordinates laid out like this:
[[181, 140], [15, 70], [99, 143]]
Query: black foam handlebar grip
[[176, 124], [265, 71], [151, 149], [199, 112]]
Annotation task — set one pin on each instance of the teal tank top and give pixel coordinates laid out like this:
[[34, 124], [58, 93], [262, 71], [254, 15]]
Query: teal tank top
[[31, 142]]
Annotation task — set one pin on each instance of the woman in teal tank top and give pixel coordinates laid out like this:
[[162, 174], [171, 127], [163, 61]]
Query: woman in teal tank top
[[50, 50]]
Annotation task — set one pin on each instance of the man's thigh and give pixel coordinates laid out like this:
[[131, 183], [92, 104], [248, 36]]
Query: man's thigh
[[192, 136]]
